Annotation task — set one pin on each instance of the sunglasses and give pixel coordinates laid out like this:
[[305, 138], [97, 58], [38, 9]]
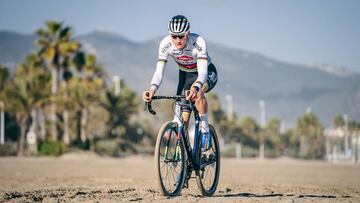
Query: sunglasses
[[178, 36]]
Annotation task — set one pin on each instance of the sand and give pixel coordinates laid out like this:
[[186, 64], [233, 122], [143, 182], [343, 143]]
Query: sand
[[86, 177]]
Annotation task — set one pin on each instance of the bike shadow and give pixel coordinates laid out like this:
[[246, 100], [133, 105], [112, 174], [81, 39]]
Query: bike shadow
[[252, 195]]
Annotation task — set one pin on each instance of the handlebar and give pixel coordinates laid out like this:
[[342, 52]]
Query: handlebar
[[174, 97]]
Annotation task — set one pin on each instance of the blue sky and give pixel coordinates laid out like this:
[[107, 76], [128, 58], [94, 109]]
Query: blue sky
[[301, 31]]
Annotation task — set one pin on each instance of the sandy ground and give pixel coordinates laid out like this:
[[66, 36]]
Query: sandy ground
[[89, 178]]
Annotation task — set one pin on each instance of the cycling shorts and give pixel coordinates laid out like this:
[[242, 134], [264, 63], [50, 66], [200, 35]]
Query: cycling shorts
[[187, 79]]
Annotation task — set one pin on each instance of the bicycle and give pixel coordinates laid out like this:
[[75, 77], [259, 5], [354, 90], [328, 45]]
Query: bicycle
[[175, 159]]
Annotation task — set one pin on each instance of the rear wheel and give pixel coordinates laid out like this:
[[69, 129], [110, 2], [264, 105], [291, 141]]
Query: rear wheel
[[170, 160], [207, 177]]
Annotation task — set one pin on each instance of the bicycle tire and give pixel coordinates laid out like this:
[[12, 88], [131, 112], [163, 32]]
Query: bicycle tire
[[172, 127], [200, 173]]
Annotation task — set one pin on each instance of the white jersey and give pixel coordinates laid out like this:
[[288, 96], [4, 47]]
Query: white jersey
[[187, 57], [192, 58]]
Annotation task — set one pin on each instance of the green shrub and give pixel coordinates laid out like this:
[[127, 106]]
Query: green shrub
[[50, 148], [109, 147], [246, 151], [8, 149]]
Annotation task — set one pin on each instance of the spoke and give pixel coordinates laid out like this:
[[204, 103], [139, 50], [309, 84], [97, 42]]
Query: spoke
[[165, 164], [172, 177], [164, 178], [208, 176], [176, 170], [210, 180], [168, 176]]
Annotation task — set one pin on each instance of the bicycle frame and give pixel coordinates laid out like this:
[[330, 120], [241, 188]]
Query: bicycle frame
[[192, 153]]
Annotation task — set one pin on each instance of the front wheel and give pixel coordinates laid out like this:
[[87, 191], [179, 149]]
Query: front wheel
[[170, 162], [207, 177]]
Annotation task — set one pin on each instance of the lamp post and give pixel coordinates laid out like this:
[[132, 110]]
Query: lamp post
[[2, 123], [345, 116], [229, 105], [262, 124], [116, 80], [262, 113]]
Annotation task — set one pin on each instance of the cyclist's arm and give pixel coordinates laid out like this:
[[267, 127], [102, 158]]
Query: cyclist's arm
[[202, 71], [202, 62], [158, 75], [161, 64]]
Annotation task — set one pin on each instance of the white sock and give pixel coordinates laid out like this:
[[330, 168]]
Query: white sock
[[204, 123]]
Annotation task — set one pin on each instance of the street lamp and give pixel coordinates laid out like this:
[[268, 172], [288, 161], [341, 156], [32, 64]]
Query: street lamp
[[262, 124], [116, 80], [262, 113], [2, 123], [345, 117], [229, 105]]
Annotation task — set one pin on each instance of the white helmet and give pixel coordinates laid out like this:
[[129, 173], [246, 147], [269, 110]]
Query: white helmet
[[178, 25]]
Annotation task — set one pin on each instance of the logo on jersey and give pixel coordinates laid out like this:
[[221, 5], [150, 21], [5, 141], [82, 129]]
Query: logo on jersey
[[213, 77], [166, 47], [185, 58], [197, 47], [177, 52]]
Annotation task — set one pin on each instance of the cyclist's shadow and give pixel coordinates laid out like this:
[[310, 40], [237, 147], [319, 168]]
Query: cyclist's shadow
[[252, 195]]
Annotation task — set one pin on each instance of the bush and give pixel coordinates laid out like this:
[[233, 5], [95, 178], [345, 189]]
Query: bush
[[246, 151], [108, 147], [8, 149], [272, 153], [50, 148]]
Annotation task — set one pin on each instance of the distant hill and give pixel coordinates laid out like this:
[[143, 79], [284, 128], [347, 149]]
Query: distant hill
[[288, 89], [14, 46]]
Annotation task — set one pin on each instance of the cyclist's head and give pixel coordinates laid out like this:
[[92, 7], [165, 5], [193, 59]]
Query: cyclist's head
[[179, 29], [179, 25]]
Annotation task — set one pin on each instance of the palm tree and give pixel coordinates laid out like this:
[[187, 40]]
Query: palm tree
[[120, 108], [339, 121], [4, 75], [309, 130], [81, 91], [66, 103], [28, 90], [56, 47], [272, 136]]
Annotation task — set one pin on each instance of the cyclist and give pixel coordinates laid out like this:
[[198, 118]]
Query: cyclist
[[196, 71]]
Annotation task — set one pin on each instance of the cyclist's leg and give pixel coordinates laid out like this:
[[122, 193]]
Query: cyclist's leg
[[189, 79], [210, 83], [201, 104], [211, 79]]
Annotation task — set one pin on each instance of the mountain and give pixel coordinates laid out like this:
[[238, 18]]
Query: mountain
[[15, 46], [288, 89]]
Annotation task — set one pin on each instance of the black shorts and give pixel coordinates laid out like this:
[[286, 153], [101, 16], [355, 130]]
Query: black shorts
[[186, 79]]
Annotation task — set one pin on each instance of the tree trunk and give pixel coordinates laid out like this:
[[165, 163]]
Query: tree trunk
[[54, 90], [303, 147], [21, 146], [66, 138], [83, 124], [33, 126], [42, 125]]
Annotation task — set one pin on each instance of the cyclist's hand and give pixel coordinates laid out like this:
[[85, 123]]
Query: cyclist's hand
[[191, 94], [147, 95]]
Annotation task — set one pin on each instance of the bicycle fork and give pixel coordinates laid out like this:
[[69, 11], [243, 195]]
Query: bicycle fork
[[177, 154]]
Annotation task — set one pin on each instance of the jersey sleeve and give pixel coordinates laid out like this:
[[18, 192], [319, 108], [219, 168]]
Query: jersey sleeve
[[158, 75], [164, 47], [200, 46]]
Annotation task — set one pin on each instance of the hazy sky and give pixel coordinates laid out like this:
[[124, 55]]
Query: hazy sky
[[297, 31]]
